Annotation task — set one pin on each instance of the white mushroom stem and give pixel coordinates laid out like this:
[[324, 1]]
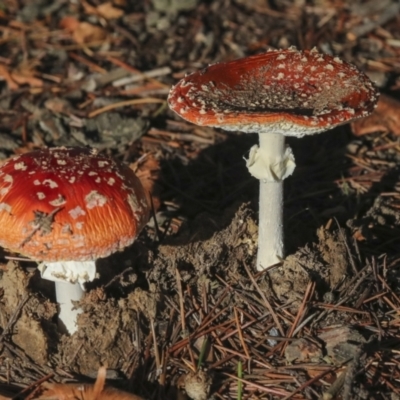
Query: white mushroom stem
[[271, 163], [66, 293], [69, 277]]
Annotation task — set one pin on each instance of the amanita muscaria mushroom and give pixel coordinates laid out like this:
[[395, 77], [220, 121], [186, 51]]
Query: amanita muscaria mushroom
[[276, 94], [67, 207]]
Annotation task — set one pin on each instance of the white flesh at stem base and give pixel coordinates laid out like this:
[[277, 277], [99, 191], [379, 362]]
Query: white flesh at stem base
[[69, 278], [67, 292], [271, 163]]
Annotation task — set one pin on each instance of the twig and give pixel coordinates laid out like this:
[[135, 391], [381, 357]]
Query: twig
[[267, 303], [109, 107], [309, 382], [139, 76], [264, 389], [344, 239], [14, 316], [118, 277], [156, 352], [181, 303], [32, 386], [307, 295], [387, 287], [335, 388], [239, 329]]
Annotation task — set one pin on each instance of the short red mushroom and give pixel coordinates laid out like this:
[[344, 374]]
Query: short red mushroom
[[67, 207], [276, 94]]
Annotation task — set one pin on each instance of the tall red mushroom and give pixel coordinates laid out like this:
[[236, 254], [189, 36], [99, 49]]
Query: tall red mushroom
[[276, 94], [67, 207]]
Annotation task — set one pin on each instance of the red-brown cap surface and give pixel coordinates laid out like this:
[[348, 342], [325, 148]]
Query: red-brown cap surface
[[291, 92], [69, 204]]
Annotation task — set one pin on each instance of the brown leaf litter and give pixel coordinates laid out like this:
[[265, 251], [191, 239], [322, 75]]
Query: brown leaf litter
[[326, 262], [385, 118]]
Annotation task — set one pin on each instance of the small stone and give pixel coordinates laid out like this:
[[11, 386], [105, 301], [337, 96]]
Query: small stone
[[196, 384]]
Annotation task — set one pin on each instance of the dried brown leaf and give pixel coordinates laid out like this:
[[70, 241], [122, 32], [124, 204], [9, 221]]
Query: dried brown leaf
[[359, 236], [120, 3], [105, 10], [5, 75], [26, 78], [57, 105], [385, 118], [148, 171], [83, 32], [88, 33], [21, 76], [69, 23], [89, 9], [108, 11]]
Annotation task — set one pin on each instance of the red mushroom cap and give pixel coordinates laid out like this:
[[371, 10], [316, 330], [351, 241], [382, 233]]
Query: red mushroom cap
[[291, 92], [69, 204]]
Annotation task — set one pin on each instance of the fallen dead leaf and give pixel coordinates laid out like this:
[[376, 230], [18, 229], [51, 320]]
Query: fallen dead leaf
[[147, 170], [88, 33], [58, 105], [5, 75], [26, 77], [120, 3], [83, 32], [385, 118], [24, 74], [359, 236], [69, 23], [105, 10], [108, 11]]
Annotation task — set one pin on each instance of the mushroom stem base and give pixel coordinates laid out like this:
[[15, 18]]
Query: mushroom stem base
[[66, 293]]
